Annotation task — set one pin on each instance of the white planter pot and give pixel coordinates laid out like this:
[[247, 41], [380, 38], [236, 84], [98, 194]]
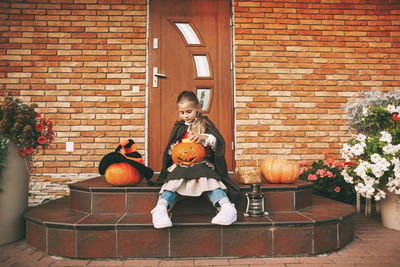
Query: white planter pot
[[14, 197], [390, 211]]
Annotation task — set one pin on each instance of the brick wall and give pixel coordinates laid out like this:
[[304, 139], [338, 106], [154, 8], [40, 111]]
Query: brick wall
[[82, 62], [296, 64]]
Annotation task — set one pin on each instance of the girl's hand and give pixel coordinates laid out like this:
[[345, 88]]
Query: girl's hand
[[200, 139], [173, 145]]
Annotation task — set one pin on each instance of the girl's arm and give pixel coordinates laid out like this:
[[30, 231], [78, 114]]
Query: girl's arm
[[205, 139]]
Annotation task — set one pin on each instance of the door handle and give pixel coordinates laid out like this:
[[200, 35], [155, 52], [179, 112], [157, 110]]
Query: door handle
[[160, 75], [156, 75]]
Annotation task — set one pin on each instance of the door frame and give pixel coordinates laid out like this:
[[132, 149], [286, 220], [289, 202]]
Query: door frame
[[233, 85]]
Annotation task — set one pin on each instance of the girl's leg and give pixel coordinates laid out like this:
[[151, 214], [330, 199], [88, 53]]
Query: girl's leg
[[227, 214], [160, 212], [169, 197]]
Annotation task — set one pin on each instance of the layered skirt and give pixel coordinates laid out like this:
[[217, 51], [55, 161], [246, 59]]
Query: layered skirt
[[192, 181]]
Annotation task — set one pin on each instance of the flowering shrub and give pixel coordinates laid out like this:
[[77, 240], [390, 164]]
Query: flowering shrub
[[376, 151], [327, 178], [21, 124]]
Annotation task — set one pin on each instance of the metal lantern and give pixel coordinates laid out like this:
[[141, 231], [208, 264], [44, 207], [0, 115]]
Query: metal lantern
[[255, 202]]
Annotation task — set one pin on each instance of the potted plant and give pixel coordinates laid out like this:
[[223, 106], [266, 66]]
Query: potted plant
[[326, 176], [22, 132], [3, 156], [375, 150]]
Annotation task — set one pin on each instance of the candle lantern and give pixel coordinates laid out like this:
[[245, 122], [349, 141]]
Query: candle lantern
[[255, 202]]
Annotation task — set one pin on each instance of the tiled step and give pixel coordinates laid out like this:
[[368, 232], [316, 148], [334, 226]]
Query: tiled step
[[96, 196], [66, 229]]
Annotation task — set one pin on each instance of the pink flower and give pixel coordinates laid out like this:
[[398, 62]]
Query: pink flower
[[337, 189], [303, 169], [39, 127], [329, 174], [321, 172], [41, 140], [312, 177]]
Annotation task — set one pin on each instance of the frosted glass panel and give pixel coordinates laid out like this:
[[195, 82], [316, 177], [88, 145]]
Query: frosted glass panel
[[204, 96], [202, 68], [188, 32]]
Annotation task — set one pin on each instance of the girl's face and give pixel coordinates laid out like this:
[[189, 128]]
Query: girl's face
[[187, 110]]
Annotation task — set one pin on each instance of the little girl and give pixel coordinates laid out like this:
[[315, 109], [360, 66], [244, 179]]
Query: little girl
[[209, 177]]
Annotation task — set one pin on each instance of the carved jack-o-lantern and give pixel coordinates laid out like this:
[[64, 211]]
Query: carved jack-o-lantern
[[188, 153]]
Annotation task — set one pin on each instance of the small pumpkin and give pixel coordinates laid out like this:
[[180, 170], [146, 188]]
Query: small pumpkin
[[280, 171], [188, 153], [122, 174]]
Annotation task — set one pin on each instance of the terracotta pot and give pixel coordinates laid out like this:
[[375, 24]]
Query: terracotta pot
[[390, 211], [14, 197]]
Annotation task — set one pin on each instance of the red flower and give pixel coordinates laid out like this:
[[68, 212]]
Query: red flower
[[28, 150], [41, 140], [38, 115], [50, 125], [39, 127], [348, 163], [339, 164], [337, 189], [395, 117], [21, 152]]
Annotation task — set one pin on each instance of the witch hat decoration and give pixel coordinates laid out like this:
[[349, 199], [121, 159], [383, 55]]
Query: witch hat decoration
[[131, 157]]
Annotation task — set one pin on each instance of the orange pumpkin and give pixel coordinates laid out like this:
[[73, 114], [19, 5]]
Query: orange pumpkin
[[280, 171], [188, 153], [122, 174]]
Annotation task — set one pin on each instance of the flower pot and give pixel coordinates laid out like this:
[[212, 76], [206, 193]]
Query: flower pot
[[14, 197], [390, 211]]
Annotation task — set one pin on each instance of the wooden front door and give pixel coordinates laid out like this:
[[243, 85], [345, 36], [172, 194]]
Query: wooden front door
[[189, 49]]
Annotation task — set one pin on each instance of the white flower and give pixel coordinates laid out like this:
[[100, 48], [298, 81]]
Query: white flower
[[380, 195], [361, 169], [396, 162], [365, 190], [388, 150], [346, 152], [349, 179], [380, 167], [358, 149], [385, 137], [391, 108], [360, 137], [375, 158], [365, 111]]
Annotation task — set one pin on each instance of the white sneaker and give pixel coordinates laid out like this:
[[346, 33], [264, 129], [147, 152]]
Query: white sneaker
[[226, 216], [160, 217]]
